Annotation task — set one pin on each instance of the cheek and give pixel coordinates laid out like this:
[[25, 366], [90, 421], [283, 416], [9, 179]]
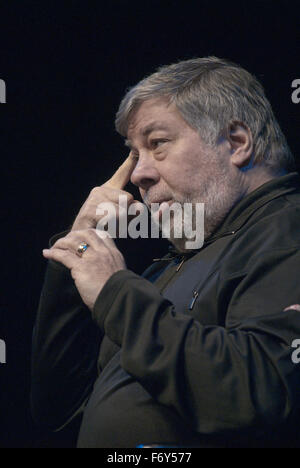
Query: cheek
[[180, 181], [182, 172]]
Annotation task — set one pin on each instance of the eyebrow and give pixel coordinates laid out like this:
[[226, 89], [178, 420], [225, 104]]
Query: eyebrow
[[148, 129]]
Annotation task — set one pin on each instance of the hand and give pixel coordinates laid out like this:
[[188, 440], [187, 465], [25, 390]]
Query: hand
[[109, 192], [96, 265]]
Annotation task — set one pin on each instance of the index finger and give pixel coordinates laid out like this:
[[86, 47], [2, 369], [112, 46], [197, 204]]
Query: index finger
[[122, 175]]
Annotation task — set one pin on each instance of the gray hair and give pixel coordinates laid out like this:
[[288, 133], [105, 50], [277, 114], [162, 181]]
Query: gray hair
[[210, 93]]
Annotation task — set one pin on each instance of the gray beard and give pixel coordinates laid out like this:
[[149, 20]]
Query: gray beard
[[219, 192], [218, 201]]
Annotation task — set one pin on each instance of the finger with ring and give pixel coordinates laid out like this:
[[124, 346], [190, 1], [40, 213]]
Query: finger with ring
[[81, 248]]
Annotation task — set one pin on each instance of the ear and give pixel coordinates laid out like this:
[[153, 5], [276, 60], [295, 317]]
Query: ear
[[240, 139]]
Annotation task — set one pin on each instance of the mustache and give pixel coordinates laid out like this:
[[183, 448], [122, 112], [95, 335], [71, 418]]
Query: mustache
[[155, 197]]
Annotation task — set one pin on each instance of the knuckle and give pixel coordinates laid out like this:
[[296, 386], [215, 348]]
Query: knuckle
[[58, 243], [90, 233], [129, 196], [95, 190]]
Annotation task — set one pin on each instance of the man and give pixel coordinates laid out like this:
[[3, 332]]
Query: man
[[198, 351]]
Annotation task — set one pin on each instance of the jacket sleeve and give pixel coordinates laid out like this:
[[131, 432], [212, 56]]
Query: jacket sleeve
[[236, 377], [65, 349]]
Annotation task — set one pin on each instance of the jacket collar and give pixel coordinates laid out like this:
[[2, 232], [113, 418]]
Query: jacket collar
[[245, 208]]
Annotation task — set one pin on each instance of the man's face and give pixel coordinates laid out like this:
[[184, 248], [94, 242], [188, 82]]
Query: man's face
[[175, 165]]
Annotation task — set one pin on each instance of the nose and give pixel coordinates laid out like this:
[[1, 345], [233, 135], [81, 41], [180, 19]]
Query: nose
[[145, 173]]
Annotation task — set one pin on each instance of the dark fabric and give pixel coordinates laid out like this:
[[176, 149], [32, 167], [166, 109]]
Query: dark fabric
[[192, 354]]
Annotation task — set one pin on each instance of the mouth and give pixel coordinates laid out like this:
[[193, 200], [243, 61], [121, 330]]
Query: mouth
[[159, 202], [157, 209]]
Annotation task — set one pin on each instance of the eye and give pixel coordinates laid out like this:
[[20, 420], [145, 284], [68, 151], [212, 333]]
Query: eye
[[155, 143]]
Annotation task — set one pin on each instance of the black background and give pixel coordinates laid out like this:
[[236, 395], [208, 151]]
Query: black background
[[66, 66]]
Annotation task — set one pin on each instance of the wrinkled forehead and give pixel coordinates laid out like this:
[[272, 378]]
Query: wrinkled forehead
[[151, 114]]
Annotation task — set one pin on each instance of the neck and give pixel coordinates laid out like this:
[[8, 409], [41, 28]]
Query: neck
[[256, 177]]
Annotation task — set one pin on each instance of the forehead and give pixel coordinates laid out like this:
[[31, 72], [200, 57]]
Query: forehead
[[154, 114]]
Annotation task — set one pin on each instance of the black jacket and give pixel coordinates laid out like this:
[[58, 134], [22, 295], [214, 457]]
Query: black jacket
[[197, 354]]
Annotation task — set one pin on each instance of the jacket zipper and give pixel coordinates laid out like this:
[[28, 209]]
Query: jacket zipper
[[192, 303], [183, 258], [180, 264]]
